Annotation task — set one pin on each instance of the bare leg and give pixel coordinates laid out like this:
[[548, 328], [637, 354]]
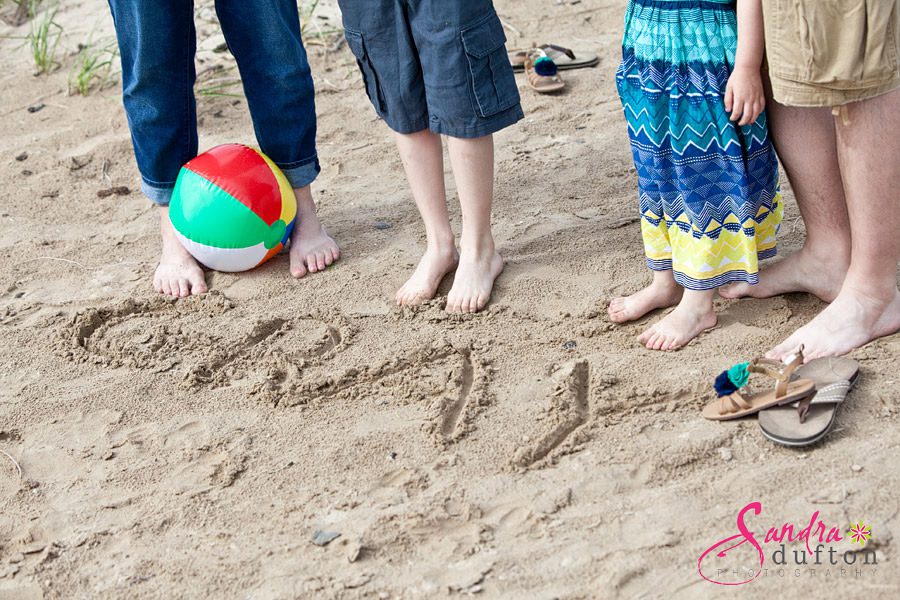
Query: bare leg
[[479, 263], [662, 293], [868, 305], [178, 273], [312, 249], [423, 160], [693, 315], [805, 141]]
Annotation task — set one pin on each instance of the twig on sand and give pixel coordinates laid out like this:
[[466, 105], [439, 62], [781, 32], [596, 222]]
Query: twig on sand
[[14, 461], [511, 27], [65, 260]]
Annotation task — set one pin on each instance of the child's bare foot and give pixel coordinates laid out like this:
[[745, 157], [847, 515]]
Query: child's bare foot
[[817, 273], [662, 293], [423, 284], [693, 315], [474, 281], [178, 273], [312, 249]]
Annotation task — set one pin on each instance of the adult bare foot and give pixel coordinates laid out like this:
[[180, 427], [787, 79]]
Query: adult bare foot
[[474, 281], [312, 249], [804, 271], [423, 284], [663, 292], [852, 320], [178, 273], [693, 315]]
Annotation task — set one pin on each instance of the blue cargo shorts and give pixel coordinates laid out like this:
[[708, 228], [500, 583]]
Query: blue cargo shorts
[[434, 64]]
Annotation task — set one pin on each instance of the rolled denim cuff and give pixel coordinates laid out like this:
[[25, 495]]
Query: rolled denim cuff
[[160, 196], [303, 173]]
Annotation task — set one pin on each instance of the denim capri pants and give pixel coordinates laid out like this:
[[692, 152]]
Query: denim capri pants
[[434, 64]]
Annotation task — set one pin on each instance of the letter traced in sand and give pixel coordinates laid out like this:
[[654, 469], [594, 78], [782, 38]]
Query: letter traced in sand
[[570, 398]]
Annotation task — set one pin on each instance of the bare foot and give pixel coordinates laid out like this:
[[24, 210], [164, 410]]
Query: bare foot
[[474, 281], [423, 284], [312, 249], [693, 315], [662, 293], [178, 273], [852, 320], [802, 271]]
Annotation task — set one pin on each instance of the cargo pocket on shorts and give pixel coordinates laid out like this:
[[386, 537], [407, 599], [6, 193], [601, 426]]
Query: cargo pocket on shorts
[[840, 44], [369, 75], [491, 76]]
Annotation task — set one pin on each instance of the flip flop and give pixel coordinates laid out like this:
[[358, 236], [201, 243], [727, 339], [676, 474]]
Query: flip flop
[[563, 57], [733, 404], [808, 421], [542, 74]]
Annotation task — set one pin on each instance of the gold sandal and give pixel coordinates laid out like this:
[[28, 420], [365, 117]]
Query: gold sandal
[[542, 74], [733, 404]]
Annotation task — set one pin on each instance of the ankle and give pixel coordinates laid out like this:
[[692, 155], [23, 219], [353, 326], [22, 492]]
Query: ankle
[[698, 302], [665, 281], [871, 290], [482, 245], [836, 254]]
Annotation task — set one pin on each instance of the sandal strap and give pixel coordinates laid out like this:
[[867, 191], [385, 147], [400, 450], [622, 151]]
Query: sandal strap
[[830, 394], [565, 51], [778, 370], [735, 403]]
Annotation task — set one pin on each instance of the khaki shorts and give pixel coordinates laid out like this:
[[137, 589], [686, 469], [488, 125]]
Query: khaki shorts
[[832, 52]]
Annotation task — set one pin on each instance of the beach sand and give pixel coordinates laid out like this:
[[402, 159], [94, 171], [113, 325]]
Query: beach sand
[[193, 448]]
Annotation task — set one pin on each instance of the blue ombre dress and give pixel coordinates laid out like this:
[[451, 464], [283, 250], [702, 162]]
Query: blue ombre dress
[[710, 204]]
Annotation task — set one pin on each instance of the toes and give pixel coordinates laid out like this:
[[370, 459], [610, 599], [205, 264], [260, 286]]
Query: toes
[[157, 286], [329, 258], [336, 253], [320, 261], [645, 337], [199, 287], [473, 304], [298, 269], [481, 302], [672, 344]]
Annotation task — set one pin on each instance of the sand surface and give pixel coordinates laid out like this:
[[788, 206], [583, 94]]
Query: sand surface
[[193, 448]]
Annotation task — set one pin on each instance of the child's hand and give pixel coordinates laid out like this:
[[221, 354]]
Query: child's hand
[[744, 96]]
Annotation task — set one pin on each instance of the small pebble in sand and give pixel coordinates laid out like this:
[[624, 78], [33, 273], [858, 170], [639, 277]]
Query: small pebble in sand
[[856, 468], [36, 107], [570, 345], [392, 456], [382, 225], [323, 538], [21, 157], [726, 454]]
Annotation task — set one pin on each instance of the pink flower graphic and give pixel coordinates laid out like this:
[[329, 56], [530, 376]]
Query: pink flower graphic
[[860, 533]]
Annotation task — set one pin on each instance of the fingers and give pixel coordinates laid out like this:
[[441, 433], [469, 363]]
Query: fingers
[[737, 110], [729, 98], [751, 113]]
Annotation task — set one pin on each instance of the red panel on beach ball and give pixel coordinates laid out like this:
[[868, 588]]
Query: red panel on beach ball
[[243, 173]]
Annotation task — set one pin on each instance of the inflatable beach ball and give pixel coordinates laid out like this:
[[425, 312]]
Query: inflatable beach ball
[[232, 208]]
